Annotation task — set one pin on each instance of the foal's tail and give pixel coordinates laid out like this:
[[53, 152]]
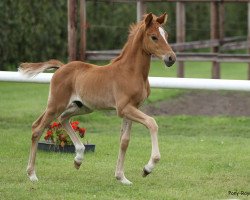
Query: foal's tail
[[32, 69]]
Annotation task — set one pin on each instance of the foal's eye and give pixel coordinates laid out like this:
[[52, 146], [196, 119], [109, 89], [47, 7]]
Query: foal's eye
[[154, 38]]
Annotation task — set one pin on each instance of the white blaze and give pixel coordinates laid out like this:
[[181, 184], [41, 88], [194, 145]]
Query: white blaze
[[162, 32]]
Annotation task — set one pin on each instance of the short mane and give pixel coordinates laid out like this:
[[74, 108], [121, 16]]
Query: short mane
[[133, 29]]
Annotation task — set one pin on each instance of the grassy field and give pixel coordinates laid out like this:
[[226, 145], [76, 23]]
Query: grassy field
[[201, 70], [202, 157]]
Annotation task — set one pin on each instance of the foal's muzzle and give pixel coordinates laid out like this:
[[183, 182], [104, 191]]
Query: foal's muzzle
[[169, 59]]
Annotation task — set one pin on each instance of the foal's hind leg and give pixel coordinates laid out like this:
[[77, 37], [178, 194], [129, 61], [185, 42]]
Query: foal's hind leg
[[78, 144], [37, 129], [75, 108]]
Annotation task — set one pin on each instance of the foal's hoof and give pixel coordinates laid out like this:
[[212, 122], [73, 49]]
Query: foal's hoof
[[124, 180], [33, 177], [77, 165], [145, 172]]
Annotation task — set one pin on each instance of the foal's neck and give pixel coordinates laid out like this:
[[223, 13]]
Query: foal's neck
[[134, 59], [139, 62]]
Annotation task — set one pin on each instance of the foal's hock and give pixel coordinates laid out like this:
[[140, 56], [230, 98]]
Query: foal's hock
[[79, 88]]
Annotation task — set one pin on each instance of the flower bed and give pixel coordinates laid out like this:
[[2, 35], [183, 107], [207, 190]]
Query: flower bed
[[45, 146], [57, 139]]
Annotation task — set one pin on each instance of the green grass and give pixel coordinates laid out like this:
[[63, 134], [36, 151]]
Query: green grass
[[196, 69], [200, 70], [202, 157]]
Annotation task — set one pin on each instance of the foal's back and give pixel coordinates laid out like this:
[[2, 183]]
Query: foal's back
[[88, 83]]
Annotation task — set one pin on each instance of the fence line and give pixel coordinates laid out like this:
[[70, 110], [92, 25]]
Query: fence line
[[18, 77], [217, 32], [181, 56], [155, 82]]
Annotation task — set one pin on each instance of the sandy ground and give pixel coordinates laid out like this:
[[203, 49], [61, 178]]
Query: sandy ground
[[208, 103]]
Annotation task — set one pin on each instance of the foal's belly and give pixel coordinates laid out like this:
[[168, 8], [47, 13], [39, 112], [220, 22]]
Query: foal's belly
[[97, 99], [98, 104]]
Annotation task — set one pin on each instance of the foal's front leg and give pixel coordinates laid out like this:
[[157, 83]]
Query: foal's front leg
[[134, 114], [124, 142]]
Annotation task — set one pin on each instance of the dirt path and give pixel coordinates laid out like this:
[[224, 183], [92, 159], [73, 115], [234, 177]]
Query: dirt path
[[208, 103]]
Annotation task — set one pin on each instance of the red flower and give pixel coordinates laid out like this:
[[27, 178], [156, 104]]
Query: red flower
[[75, 127], [57, 134], [82, 132], [75, 123], [55, 125], [49, 133]]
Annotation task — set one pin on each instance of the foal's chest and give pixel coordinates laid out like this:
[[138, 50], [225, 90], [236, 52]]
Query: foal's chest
[[142, 92]]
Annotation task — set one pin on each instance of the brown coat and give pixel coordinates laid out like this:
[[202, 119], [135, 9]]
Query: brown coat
[[79, 88]]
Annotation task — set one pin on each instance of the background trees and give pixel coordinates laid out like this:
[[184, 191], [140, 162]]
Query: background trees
[[37, 30]]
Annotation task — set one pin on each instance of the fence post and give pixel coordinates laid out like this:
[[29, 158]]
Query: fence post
[[140, 9], [180, 33], [215, 34], [72, 5], [248, 24], [83, 27], [221, 21]]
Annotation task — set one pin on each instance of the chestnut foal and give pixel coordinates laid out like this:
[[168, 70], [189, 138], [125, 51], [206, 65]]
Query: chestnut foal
[[79, 88]]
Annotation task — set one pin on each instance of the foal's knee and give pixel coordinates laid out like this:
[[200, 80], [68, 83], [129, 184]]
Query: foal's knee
[[152, 125], [35, 136], [34, 126], [35, 132], [124, 143]]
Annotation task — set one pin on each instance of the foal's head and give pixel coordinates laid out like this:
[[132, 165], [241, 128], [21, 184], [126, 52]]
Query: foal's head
[[155, 39]]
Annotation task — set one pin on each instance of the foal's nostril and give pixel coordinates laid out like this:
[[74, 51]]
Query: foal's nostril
[[169, 60]]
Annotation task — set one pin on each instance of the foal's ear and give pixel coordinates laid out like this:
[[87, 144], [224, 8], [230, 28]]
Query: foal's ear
[[148, 19], [162, 19]]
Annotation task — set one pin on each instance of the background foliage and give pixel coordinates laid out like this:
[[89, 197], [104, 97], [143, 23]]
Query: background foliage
[[36, 30]]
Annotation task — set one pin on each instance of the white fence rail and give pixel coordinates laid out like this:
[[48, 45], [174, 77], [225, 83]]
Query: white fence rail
[[198, 83], [155, 82], [18, 77]]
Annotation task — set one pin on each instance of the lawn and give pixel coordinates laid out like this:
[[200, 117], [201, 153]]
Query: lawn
[[202, 157], [201, 70]]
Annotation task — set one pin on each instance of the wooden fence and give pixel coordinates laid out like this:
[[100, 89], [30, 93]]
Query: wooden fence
[[217, 40]]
